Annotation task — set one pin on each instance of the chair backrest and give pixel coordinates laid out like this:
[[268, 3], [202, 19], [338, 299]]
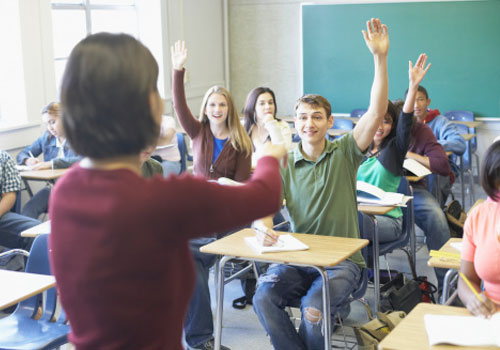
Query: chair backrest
[[464, 116], [358, 112], [181, 143], [16, 208], [38, 262], [343, 123]]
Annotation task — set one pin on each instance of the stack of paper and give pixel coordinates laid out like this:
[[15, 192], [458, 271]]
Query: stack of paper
[[284, 244]]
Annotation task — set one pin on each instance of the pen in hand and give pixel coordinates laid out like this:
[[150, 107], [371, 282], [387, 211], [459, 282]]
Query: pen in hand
[[274, 239]]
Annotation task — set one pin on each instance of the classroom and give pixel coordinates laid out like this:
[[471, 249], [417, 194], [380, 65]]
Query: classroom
[[294, 48]]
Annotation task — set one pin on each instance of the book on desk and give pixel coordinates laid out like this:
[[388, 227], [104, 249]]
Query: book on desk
[[373, 195], [463, 330], [413, 167]]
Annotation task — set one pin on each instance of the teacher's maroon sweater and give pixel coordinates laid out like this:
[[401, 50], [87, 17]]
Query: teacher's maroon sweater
[[119, 248]]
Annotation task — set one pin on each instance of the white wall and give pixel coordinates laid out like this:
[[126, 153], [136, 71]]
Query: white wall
[[265, 50], [200, 23]]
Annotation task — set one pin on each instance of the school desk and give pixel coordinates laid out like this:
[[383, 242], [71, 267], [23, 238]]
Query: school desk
[[410, 334], [453, 265], [41, 229], [49, 175], [18, 286], [323, 252]]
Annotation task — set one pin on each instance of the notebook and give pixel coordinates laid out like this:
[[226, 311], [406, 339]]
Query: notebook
[[286, 243], [463, 330]]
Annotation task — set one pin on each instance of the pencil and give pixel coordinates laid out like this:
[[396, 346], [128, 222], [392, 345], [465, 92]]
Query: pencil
[[466, 280], [31, 154], [278, 240]]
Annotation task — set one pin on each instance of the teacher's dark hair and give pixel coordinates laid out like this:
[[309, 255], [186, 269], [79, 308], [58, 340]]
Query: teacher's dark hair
[[105, 96], [490, 171]]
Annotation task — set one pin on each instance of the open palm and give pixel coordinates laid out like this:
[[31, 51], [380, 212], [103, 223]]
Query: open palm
[[178, 54], [417, 73], [376, 37]]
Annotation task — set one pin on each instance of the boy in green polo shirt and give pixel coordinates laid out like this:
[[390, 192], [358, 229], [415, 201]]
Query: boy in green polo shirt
[[319, 185]]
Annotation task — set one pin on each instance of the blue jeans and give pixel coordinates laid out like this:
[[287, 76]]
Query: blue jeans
[[11, 226], [284, 285], [389, 228], [199, 326], [38, 204], [430, 218]]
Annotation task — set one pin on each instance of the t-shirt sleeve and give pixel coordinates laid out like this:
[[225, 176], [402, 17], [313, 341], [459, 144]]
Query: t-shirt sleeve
[[468, 245], [350, 148]]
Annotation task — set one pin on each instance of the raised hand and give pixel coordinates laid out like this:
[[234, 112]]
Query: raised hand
[[376, 37], [417, 73], [178, 54]]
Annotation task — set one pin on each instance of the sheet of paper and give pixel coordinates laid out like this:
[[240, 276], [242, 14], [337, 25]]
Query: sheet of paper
[[445, 329], [285, 243]]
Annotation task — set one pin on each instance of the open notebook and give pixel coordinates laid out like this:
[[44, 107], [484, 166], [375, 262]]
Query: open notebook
[[285, 243], [463, 330]]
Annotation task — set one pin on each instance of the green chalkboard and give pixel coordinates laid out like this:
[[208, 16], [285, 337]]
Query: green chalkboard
[[461, 38]]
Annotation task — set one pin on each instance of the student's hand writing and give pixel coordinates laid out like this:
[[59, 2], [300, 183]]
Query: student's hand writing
[[376, 37], [266, 236], [31, 161], [276, 151], [483, 309], [42, 166], [178, 54], [417, 73]]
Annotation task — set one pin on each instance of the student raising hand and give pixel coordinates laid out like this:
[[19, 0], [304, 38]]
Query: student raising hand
[[178, 54], [376, 37]]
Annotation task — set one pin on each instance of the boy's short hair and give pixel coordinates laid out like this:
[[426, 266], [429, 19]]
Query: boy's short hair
[[422, 90], [105, 96], [315, 101]]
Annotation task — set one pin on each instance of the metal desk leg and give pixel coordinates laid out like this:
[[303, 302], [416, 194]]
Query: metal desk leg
[[471, 193], [446, 285], [376, 270], [28, 188], [220, 300], [327, 319]]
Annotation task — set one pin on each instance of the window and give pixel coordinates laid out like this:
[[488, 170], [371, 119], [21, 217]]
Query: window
[[72, 20]]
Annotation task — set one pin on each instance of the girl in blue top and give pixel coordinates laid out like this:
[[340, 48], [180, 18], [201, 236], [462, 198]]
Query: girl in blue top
[[56, 155], [383, 164]]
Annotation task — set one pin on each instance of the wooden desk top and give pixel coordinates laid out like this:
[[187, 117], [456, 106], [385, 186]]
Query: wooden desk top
[[415, 178], [375, 210], [410, 334], [468, 137], [18, 286], [43, 175], [443, 262], [323, 251], [471, 124], [37, 230]]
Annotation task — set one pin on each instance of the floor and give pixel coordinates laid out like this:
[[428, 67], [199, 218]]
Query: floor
[[242, 331]]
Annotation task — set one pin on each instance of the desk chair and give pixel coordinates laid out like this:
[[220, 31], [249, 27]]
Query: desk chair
[[408, 236], [466, 159], [20, 331], [342, 124], [358, 112], [17, 205]]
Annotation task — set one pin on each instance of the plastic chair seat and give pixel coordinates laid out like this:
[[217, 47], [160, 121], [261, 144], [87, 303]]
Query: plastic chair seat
[[23, 333]]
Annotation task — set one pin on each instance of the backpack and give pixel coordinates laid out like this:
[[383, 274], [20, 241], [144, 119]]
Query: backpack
[[456, 216], [13, 262], [370, 334]]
